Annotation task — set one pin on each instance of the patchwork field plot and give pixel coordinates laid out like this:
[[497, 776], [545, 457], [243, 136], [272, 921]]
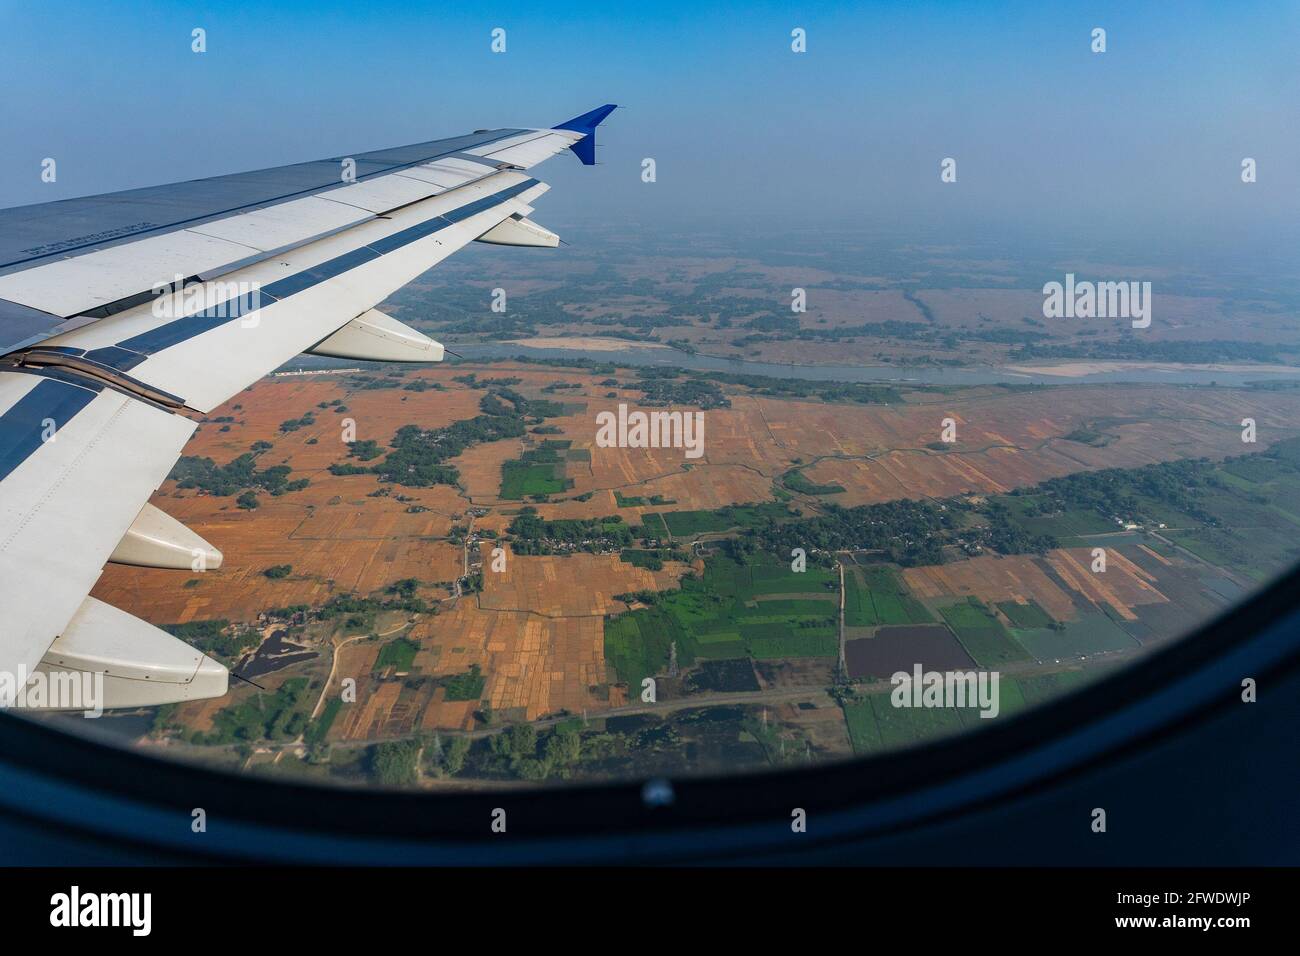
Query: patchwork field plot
[[1024, 615], [1015, 578], [982, 635], [875, 595], [1091, 633], [305, 519], [1121, 587], [881, 453], [532, 665], [539, 471], [764, 610]]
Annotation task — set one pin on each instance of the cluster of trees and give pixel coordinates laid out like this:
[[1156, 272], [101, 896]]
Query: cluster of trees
[[359, 613], [293, 424], [419, 455], [473, 381], [278, 716], [891, 329], [667, 386], [211, 638], [241, 474], [451, 758], [394, 763], [365, 449], [423, 385], [1004, 535], [529, 756], [1120, 491], [910, 532], [532, 534]]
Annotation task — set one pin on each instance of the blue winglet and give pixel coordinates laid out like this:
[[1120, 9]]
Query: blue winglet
[[585, 148]]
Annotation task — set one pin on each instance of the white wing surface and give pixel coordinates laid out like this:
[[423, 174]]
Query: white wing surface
[[123, 311]]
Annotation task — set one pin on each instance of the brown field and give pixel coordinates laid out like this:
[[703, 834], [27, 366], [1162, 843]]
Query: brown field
[[535, 666], [536, 630], [544, 585], [821, 732], [1022, 578], [340, 540], [1123, 586], [384, 707], [1010, 441], [992, 579], [539, 645], [322, 568]]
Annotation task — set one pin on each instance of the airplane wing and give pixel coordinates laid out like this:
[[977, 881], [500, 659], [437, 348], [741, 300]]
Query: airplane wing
[[118, 312]]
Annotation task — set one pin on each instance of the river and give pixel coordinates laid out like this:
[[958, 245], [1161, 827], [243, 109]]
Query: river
[[918, 375]]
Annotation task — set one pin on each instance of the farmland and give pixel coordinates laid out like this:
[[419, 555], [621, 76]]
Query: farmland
[[533, 577]]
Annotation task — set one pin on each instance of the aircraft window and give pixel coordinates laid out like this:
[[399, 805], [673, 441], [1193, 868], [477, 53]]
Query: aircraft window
[[729, 485]]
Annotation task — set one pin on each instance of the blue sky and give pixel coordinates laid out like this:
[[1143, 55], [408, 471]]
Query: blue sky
[[1144, 139]]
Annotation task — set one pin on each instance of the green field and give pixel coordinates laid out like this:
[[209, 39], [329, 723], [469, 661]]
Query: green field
[[803, 642], [398, 654], [1044, 687], [861, 722], [721, 650], [654, 560], [1071, 522], [1239, 514], [876, 725], [762, 610], [467, 686], [876, 595], [1025, 615], [1258, 552], [983, 636], [1092, 633], [781, 610], [320, 727], [686, 524], [638, 644], [520, 480], [796, 481], [539, 471]]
